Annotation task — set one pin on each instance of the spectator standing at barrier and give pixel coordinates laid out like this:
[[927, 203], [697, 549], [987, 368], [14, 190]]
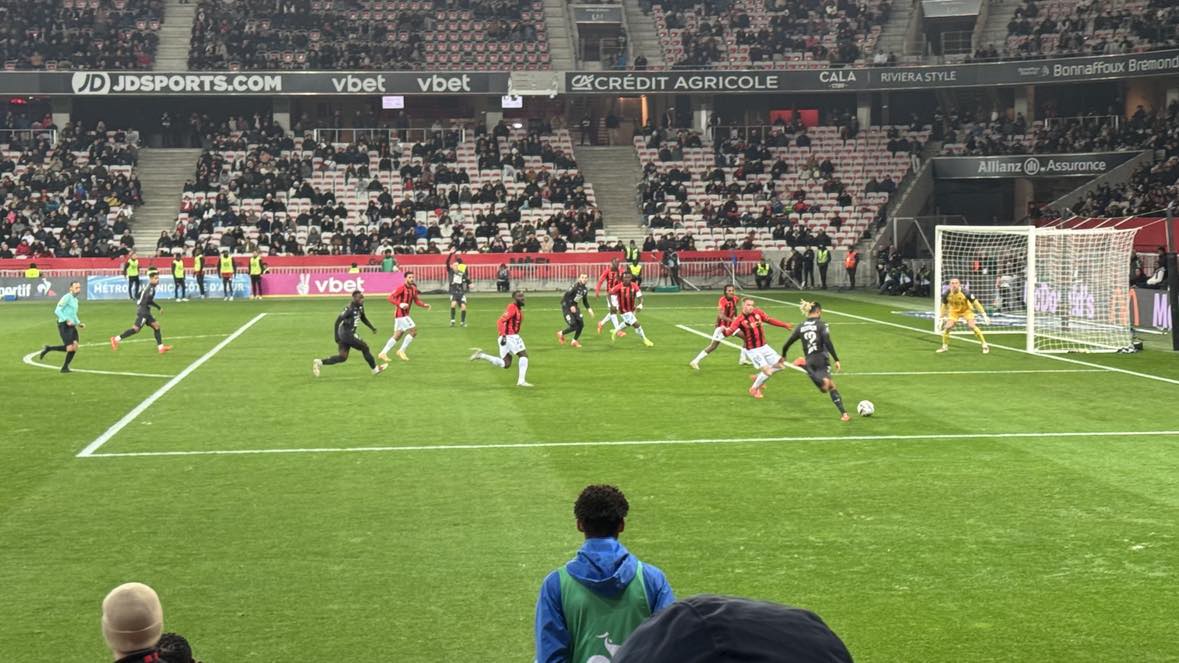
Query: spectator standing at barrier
[[179, 284], [808, 267], [763, 274], [851, 262], [612, 127], [257, 269], [131, 271], [225, 269], [585, 125], [388, 263], [198, 270], [671, 261], [503, 279], [589, 606], [823, 258]]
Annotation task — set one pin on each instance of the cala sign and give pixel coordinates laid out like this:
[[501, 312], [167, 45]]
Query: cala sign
[[329, 284]]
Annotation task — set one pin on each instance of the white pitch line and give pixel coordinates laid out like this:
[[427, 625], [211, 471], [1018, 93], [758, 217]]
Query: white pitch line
[[28, 359], [635, 443], [1067, 360], [159, 393], [731, 344]]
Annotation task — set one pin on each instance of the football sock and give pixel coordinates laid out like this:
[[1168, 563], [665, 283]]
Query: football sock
[[639, 330], [979, 335], [69, 358], [614, 321], [463, 317], [837, 399], [577, 331], [159, 337], [452, 314], [945, 337], [700, 357], [128, 333], [334, 359], [406, 341], [494, 361], [761, 379], [55, 348], [389, 345], [608, 317], [368, 357], [523, 362]]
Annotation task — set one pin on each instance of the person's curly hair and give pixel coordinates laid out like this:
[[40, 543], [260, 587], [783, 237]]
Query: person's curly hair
[[601, 509], [174, 648]]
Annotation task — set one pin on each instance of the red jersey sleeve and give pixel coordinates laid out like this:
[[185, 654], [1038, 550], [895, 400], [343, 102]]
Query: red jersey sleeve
[[394, 295], [735, 324], [617, 289], [511, 314]]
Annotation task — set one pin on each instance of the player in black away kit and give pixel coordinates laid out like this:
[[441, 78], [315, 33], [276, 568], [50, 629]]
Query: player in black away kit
[[569, 309], [816, 344], [346, 338], [143, 316]]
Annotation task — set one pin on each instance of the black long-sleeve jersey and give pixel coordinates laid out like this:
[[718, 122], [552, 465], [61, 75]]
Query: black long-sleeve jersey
[[147, 299], [346, 322], [577, 291], [816, 339]]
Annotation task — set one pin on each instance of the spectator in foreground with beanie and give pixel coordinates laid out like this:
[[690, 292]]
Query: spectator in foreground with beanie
[[132, 621], [588, 607], [718, 629]]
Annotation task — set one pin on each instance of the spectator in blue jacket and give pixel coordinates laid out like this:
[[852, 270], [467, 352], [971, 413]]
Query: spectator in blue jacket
[[589, 606]]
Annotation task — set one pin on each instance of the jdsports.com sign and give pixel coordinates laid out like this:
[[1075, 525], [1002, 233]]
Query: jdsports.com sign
[[94, 83], [98, 82]]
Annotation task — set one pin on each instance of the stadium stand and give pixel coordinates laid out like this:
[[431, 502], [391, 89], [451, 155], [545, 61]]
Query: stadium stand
[[1052, 135], [780, 188], [72, 199], [795, 34], [79, 34], [368, 34], [1084, 27], [508, 190]]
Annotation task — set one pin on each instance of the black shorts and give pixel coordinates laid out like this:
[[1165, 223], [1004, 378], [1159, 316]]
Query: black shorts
[[353, 342], [68, 333], [144, 319], [818, 369], [571, 316], [458, 296]]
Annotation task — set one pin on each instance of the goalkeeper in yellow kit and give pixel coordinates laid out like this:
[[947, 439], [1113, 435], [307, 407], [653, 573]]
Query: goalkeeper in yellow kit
[[958, 304]]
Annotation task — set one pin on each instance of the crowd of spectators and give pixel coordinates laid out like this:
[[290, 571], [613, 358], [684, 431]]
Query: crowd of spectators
[[1087, 27], [352, 34], [72, 199], [749, 32], [79, 34], [408, 192]]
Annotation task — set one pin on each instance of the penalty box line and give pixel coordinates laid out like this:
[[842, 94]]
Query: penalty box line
[[632, 443], [1067, 360], [159, 393]]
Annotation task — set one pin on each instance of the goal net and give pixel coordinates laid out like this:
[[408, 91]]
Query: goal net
[[1064, 290]]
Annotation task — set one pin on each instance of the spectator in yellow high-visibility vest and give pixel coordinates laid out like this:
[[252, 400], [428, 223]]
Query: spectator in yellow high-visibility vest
[[257, 269]]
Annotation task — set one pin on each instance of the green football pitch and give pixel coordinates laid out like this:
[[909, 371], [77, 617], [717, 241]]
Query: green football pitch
[[1001, 507]]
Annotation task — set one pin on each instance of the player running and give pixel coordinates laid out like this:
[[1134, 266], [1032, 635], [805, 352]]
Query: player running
[[346, 338], [959, 304], [403, 325], [67, 326], [610, 278], [629, 298], [143, 316], [573, 317], [459, 282], [510, 342], [751, 323], [817, 346], [726, 310]]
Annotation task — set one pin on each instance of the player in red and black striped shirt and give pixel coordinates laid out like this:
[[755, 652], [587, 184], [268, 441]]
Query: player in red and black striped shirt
[[403, 325], [726, 311], [629, 298], [510, 342], [610, 278], [752, 323]]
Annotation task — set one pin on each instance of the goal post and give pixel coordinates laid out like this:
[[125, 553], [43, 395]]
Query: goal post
[[1064, 290]]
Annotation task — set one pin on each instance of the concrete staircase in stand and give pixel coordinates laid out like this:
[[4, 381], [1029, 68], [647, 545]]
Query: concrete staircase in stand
[[613, 172], [994, 32], [892, 36], [162, 173], [556, 21], [175, 36], [644, 39]]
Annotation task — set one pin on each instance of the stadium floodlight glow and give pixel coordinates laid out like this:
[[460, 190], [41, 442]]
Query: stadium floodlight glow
[[1065, 290]]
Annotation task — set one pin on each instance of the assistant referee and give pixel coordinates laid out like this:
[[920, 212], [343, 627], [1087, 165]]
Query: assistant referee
[[67, 326]]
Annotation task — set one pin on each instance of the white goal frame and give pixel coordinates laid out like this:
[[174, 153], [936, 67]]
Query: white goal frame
[[1121, 334]]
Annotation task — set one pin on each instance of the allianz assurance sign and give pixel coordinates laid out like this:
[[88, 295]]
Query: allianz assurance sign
[[1034, 166]]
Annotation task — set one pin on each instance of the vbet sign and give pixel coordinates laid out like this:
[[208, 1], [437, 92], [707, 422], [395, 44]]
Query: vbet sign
[[330, 284]]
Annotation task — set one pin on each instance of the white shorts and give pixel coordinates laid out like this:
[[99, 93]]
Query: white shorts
[[403, 324], [718, 334], [514, 345], [614, 301], [629, 318], [763, 357]]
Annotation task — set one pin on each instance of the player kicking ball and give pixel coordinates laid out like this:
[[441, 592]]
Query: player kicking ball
[[346, 338], [726, 310], [959, 304], [751, 323], [572, 314], [403, 325], [510, 343], [143, 316], [629, 302], [817, 346]]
